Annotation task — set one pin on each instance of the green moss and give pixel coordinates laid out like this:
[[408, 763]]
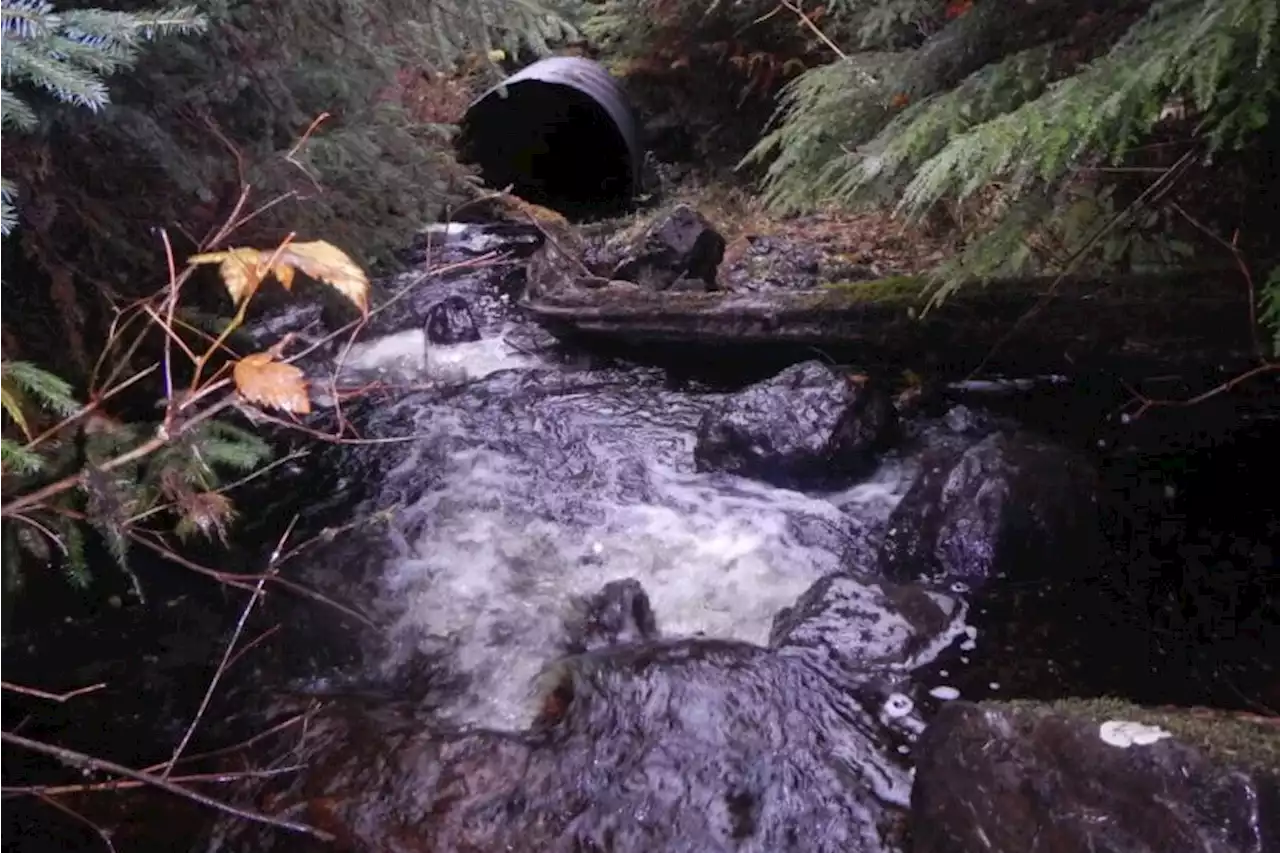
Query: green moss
[[901, 288], [1250, 741]]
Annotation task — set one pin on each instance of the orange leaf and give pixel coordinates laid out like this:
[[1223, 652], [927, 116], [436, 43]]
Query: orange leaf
[[243, 269], [261, 379], [956, 8], [899, 101], [327, 263]]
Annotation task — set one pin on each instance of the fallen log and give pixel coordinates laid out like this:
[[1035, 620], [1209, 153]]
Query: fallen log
[[1195, 322]]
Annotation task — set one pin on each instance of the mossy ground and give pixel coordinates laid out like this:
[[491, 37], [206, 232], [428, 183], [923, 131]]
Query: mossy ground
[[871, 242], [1247, 739]]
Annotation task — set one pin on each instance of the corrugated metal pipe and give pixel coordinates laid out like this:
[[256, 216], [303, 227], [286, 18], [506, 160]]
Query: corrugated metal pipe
[[563, 133]]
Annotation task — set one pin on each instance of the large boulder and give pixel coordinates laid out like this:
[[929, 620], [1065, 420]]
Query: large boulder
[[1009, 505], [695, 746], [807, 426], [1086, 777]]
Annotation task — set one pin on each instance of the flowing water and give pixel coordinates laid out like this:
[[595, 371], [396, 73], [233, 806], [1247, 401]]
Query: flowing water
[[533, 483], [518, 478]]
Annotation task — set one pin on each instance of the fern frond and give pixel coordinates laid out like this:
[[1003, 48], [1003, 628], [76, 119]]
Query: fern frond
[[222, 443], [53, 392], [16, 459], [75, 565]]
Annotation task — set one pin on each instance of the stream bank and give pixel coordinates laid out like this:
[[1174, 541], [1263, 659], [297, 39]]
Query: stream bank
[[621, 609]]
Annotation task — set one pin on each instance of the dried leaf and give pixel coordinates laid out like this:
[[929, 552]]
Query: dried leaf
[[206, 512], [13, 408], [243, 269], [274, 384], [329, 264], [284, 275]]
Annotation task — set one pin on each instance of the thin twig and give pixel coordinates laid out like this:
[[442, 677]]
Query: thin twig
[[52, 697], [247, 582], [89, 408], [78, 818], [1156, 186], [80, 760], [72, 480], [1232, 247], [222, 490], [128, 784], [226, 654], [1146, 402]]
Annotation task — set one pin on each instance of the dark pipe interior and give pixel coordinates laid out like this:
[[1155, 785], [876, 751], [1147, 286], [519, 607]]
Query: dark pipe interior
[[556, 146]]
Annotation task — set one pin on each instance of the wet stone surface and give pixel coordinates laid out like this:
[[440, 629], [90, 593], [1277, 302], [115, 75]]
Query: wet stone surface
[[1008, 780], [615, 612]]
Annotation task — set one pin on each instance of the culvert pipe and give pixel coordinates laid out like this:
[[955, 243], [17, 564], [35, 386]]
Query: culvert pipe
[[562, 133]]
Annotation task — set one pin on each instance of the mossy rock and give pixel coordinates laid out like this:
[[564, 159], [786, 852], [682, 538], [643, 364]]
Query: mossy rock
[[1248, 740]]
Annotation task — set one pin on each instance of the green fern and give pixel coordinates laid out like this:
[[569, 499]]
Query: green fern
[[51, 391], [1270, 299], [224, 444], [894, 126], [75, 565], [17, 459]]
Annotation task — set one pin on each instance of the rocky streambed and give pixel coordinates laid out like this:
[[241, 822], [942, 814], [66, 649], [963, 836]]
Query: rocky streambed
[[792, 606]]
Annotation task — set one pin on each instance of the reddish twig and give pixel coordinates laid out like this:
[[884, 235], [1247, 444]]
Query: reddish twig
[[247, 582], [1146, 402], [78, 818], [128, 784], [1233, 247], [81, 761], [226, 654], [52, 697]]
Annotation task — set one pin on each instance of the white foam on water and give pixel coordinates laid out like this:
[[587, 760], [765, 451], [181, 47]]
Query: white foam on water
[[474, 360], [401, 354], [407, 356], [490, 578]]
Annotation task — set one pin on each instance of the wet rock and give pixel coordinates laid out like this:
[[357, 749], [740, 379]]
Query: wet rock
[[963, 420], [807, 426], [699, 746], [449, 321], [680, 251], [1001, 779], [618, 614], [1008, 505], [769, 263], [864, 626]]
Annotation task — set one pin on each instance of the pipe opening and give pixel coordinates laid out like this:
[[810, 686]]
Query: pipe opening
[[568, 144]]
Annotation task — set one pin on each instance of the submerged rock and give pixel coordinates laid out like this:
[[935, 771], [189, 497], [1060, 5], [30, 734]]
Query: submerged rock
[[618, 614], [807, 426], [1009, 505], [449, 321], [1074, 779]]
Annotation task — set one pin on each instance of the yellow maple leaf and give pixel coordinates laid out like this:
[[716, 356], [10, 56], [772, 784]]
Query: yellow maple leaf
[[261, 379], [243, 269], [327, 263]]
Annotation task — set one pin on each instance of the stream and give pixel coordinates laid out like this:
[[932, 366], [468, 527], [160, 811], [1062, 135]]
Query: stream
[[589, 641]]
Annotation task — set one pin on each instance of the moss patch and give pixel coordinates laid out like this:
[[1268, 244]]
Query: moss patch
[[1244, 739]]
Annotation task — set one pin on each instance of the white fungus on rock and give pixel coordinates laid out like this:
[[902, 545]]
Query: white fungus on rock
[[1125, 733]]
